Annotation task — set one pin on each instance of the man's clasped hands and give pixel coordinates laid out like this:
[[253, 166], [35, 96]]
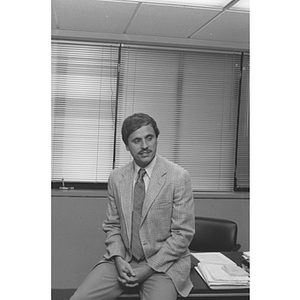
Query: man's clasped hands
[[131, 277]]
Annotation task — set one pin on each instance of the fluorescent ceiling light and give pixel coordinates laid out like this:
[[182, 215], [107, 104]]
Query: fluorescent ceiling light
[[203, 3], [217, 4], [207, 3], [242, 5]]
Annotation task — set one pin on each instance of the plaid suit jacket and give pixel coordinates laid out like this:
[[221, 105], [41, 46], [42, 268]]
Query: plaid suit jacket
[[167, 223]]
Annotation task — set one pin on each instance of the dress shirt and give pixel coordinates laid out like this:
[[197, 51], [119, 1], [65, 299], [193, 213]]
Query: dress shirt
[[147, 176]]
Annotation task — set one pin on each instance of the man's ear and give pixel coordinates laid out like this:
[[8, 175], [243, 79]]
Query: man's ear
[[127, 147]]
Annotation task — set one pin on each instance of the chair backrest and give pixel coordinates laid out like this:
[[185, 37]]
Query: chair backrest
[[214, 235]]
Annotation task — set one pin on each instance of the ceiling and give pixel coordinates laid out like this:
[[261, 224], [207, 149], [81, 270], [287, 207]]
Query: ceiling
[[220, 24]]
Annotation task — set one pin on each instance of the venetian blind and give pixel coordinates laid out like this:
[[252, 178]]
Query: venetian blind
[[83, 110], [193, 96], [242, 171]]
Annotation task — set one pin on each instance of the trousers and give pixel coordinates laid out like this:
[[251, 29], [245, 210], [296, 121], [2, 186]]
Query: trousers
[[102, 284]]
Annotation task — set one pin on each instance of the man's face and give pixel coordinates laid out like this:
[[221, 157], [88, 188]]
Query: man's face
[[142, 145]]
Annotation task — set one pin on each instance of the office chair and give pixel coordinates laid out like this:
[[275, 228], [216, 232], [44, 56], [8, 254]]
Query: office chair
[[214, 235]]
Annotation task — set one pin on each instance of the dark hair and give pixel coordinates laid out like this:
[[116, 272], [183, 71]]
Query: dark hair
[[136, 121]]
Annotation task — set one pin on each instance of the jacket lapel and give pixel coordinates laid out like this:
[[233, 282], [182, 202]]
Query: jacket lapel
[[156, 183], [126, 191]]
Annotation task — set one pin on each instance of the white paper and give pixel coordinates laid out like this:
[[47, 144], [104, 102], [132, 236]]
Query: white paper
[[211, 268], [213, 257]]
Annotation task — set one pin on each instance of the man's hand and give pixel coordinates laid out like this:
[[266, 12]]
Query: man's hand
[[131, 277], [142, 273], [126, 274]]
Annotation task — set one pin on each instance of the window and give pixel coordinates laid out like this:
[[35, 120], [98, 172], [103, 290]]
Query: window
[[83, 111], [193, 96], [194, 99], [242, 165]]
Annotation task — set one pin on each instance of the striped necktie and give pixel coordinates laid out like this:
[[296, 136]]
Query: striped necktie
[[139, 195]]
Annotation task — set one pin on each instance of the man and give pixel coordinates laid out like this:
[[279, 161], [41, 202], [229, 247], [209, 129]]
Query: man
[[147, 250]]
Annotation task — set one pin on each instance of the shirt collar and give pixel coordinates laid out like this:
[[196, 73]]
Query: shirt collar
[[148, 168]]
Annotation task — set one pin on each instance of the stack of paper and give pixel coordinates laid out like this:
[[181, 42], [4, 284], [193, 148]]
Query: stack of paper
[[246, 255], [219, 272], [246, 261]]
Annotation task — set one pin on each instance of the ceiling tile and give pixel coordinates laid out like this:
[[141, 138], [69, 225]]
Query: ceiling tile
[[169, 21], [229, 27], [91, 15]]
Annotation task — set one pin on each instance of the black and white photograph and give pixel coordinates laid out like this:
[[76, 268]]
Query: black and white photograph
[[163, 87], [132, 132]]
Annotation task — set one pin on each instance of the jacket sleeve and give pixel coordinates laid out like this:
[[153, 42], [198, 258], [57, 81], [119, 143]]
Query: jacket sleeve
[[182, 226], [111, 226]]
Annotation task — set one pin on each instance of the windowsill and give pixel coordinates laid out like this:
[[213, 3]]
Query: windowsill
[[221, 195], [79, 193], [103, 194]]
